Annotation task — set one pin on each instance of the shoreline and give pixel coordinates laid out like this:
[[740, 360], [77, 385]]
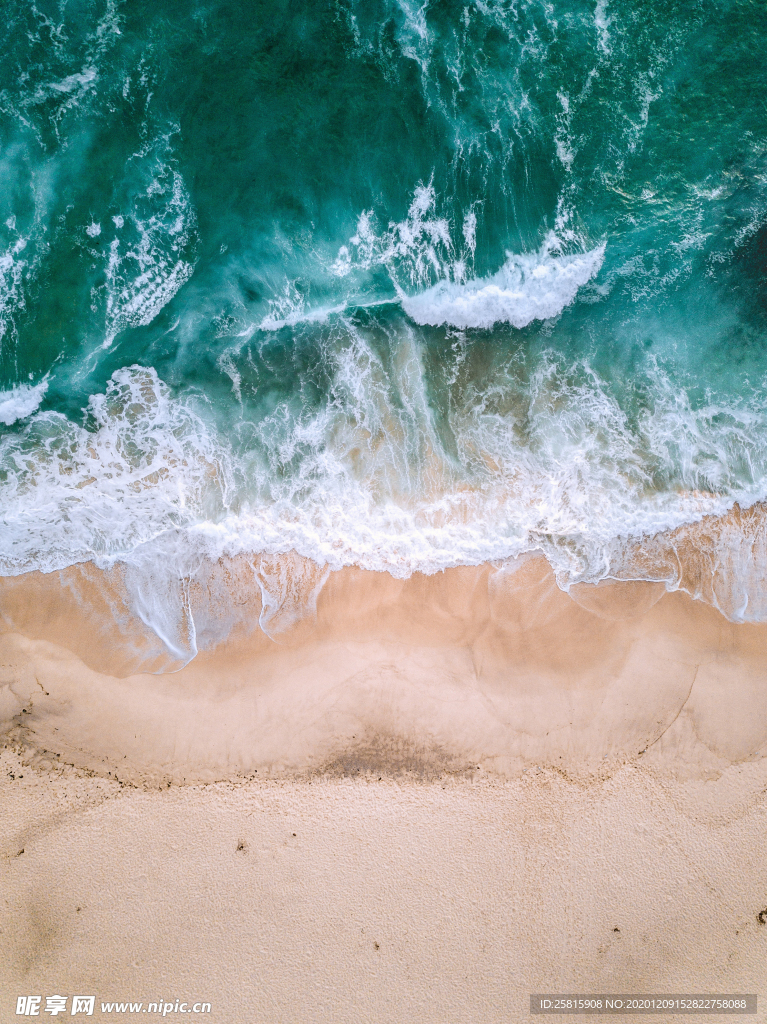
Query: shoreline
[[471, 669]]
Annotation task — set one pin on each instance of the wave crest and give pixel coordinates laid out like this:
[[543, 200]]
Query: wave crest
[[528, 287]]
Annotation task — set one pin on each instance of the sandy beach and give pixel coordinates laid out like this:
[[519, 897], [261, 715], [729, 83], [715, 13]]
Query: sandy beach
[[430, 800], [357, 900]]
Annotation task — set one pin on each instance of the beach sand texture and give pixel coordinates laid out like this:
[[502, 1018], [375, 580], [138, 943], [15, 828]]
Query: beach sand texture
[[432, 799]]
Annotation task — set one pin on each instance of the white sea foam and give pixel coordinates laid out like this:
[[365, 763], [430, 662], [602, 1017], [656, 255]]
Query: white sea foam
[[602, 23], [12, 271], [290, 309], [21, 401], [412, 250], [549, 464], [150, 256], [526, 288], [66, 58], [143, 464], [78, 82]]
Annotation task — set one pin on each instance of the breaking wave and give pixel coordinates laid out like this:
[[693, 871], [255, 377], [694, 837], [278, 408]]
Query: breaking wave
[[526, 288]]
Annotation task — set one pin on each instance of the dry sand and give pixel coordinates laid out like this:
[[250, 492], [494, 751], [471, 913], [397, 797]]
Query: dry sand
[[430, 800]]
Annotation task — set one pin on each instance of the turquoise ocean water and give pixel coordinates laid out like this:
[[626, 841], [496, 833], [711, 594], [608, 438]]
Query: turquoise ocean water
[[384, 284]]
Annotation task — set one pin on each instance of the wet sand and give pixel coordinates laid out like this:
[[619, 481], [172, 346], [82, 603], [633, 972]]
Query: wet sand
[[485, 776]]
